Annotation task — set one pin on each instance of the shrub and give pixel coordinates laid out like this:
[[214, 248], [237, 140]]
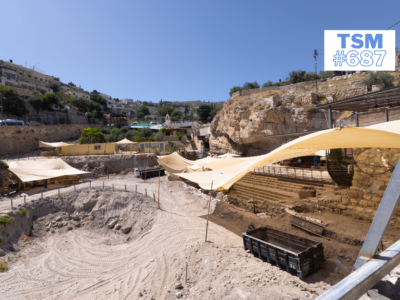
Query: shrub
[[60, 196], [36, 102], [111, 138], [378, 78], [4, 221], [24, 212], [93, 134], [3, 266], [3, 165], [180, 135], [130, 135], [310, 109], [159, 136], [105, 130], [124, 130], [146, 132]]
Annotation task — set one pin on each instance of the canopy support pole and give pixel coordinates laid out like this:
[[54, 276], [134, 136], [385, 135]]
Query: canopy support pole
[[330, 116]]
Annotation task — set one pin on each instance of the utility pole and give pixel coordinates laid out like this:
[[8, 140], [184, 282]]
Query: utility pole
[[316, 76]]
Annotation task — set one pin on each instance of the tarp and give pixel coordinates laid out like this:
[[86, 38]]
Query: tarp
[[125, 141], [206, 160], [228, 154], [384, 135], [174, 163], [222, 163], [40, 169], [52, 145]]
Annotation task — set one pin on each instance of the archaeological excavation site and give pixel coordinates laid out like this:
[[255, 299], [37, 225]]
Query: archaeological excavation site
[[284, 194]]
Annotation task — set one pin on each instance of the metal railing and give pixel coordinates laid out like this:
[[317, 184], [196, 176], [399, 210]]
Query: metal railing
[[298, 173]]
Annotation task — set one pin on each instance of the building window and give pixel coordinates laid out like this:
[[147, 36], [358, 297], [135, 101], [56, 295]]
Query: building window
[[9, 75], [155, 145], [35, 77], [148, 145], [20, 73], [41, 79], [97, 147], [29, 76]]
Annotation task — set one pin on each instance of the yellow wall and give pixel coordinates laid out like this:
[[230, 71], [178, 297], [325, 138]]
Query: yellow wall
[[150, 150], [88, 149]]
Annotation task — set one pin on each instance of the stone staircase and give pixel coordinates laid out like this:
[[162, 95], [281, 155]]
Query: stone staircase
[[269, 188], [192, 143]]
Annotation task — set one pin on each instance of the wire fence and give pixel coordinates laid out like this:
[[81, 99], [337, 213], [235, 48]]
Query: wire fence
[[20, 197]]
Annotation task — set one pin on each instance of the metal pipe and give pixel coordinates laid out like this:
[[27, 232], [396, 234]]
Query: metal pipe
[[360, 281], [330, 116]]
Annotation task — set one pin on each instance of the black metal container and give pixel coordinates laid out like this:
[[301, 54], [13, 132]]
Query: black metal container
[[296, 255], [148, 173]]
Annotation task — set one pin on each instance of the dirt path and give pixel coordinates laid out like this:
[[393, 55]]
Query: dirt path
[[97, 264]]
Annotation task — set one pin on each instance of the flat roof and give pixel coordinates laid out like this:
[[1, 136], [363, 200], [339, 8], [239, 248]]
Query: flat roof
[[385, 98]]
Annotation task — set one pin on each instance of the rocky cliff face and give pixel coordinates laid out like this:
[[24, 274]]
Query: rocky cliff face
[[244, 124]]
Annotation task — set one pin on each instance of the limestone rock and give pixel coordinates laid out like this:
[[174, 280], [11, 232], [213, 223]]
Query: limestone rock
[[118, 226], [112, 224], [126, 229], [2, 253]]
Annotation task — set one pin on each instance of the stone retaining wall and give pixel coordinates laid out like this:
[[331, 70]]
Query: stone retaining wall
[[19, 140]]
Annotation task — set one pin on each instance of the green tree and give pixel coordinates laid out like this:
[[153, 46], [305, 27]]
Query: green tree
[[50, 99], [98, 99], [140, 115], [36, 102], [131, 134], [325, 75], [297, 76], [214, 112], [159, 136], [82, 104], [71, 84], [12, 102], [93, 135], [378, 78], [250, 85], [180, 135], [143, 109], [54, 86], [234, 89], [123, 112], [176, 114], [95, 108], [164, 110], [146, 132], [267, 84], [203, 111]]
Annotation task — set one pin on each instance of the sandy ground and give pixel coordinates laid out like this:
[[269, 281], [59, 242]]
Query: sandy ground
[[98, 263]]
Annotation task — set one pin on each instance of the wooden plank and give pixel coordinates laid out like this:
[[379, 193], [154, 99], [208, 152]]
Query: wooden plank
[[307, 225]]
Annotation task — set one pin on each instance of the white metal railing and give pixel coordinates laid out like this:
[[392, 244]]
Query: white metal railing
[[299, 173]]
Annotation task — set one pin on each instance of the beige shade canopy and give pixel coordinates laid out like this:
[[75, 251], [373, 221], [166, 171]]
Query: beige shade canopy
[[41, 169], [52, 145], [384, 135], [125, 141]]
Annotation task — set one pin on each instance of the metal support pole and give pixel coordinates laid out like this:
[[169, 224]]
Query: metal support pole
[[330, 116], [382, 218], [359, 282], [208, 214], [387, 115]]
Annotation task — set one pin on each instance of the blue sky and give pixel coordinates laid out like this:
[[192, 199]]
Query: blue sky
[[178, 50]]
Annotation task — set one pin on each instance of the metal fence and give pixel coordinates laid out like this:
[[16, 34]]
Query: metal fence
[[298, 173]]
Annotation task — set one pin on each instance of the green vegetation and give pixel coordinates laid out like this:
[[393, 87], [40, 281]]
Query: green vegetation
[[3, 266], [24, 212], [90, 108], [141, 227], [3, 165], [12, 102], [4, 221], [165, 109], [180, 135], [95, 97], [204, 111], [54, 86], [147, 132], [215, 111], [378, 78], [91, 135], [71, 84], [60, 196], [159, 136], [336, 155]]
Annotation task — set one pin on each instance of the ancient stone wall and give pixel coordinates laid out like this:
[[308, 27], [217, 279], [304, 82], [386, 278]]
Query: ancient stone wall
[[15, 140]]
